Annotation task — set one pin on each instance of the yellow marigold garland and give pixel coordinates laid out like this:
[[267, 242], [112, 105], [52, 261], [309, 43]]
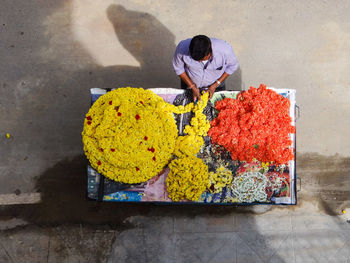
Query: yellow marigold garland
[[190, 144], [129, 134], [188, 175]]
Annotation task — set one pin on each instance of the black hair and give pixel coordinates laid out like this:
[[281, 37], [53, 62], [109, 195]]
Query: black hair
[[200, 47]]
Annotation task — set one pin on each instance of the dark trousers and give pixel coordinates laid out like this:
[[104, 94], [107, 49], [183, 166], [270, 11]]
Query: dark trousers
[[221, 87]]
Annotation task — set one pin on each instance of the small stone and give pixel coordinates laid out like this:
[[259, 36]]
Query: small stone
[[17, 192]]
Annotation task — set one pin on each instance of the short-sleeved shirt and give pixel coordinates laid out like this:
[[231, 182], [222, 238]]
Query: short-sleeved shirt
[[223, 59]]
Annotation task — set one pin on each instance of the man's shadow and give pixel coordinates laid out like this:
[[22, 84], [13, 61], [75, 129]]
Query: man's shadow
[[149, 42]]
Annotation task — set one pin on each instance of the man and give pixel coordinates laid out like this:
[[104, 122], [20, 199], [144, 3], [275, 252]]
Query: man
[[204, 63]]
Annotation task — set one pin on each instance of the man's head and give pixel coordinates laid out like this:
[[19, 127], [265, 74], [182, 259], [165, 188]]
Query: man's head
[[200, 47]]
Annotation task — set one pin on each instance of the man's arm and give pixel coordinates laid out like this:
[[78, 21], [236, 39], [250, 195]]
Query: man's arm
[[231, 60], [213, 87], [191, 85]]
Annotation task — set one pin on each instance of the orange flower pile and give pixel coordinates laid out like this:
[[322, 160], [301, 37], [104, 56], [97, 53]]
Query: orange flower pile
[[255, 125]]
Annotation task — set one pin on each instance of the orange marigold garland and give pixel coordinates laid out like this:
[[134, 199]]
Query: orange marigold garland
[[255, 125]]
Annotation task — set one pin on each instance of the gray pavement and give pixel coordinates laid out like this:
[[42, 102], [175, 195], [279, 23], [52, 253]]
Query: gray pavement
[[276, 236], [236, 238], [52, 52]]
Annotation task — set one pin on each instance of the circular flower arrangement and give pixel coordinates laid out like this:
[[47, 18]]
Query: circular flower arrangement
[[255, 125], [129, 134]]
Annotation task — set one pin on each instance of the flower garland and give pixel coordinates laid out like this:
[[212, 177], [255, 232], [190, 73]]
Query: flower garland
[[191, 143], [118, 139], [255, 125], [188, 175]]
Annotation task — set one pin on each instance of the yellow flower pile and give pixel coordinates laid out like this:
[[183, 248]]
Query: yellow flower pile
[[220, 179], [129, 134], [188, 177]]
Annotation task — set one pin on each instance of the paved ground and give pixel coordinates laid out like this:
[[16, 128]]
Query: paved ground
[[53, 52], [281, 235]]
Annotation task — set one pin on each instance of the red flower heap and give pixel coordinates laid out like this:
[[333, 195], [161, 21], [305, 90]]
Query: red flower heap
[[255, 125]]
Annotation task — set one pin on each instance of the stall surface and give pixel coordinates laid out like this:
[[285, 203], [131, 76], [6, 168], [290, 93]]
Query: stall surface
[[267, 183]]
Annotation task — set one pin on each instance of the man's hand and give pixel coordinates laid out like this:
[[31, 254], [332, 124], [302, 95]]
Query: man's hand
[[196, 93], [211, 90]]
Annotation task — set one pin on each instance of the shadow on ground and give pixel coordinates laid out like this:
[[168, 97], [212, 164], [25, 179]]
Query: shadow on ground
[[64, 200], [63, 189], [325, 180]]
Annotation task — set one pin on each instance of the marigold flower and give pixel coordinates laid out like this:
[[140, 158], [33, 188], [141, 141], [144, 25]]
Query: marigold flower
[[187, 179], [126, 134], [255, 125]]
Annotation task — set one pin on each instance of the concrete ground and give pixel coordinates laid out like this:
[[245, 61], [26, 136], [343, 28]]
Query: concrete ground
[[53, 52]]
